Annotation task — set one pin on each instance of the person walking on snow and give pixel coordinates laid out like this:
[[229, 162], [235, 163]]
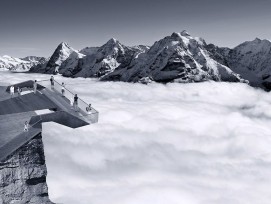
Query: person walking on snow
[[11, 91], [63, 89], [35, 86], [52, 82]]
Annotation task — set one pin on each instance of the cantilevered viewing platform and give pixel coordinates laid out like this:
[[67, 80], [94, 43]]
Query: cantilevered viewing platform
[[48, 104]]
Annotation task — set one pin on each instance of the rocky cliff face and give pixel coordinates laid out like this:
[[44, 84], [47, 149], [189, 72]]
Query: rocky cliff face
[[251, 59], [64, 56], [23, 175]]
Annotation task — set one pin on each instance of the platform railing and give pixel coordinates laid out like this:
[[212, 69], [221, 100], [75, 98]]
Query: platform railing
[[92, 114]]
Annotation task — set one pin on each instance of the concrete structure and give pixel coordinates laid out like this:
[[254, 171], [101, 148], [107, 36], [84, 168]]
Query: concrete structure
[[56, 107]]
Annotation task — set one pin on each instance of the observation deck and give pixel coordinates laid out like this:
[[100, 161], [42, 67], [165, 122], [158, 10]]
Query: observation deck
[[48, 104]]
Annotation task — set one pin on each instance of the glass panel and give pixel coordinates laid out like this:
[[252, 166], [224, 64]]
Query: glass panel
[[91, 116]]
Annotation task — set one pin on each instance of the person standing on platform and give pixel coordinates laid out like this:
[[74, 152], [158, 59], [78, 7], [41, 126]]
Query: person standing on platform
[[11, 91], [56, 70], [71, 102], [75, 103], [35, 85], [26, 126], [88, 109], [19, 90], [52, 82], [63, 89]]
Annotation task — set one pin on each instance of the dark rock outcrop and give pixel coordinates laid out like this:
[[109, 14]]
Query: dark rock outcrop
[[23, 175]]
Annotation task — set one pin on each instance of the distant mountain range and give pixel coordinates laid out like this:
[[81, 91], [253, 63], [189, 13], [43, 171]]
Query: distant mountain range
[[175, 58], [19, 64]]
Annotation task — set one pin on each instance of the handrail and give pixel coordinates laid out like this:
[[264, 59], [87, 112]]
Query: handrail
[[71, 92], [32, 125], [43, 80], [64, 88], [58, 84], [94, 110], [36, 121]]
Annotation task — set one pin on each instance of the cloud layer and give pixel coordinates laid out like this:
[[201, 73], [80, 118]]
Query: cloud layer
[[203, 143]]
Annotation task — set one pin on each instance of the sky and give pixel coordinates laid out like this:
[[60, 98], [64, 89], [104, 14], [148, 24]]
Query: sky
[[36, 27], [197, 143]]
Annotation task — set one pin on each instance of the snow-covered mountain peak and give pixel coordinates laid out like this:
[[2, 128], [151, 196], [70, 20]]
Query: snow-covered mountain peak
[[176, 35], [185, 33], [111, 47], [64, 47], [181, 41], [254, 46], [6, 56], [9, 58], [61, 53], [112, 41], [64, 44], [257, 40], [32, 58], [186, 39], [17, 64]]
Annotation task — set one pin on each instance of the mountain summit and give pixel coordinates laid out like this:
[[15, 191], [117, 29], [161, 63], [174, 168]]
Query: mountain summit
[[62, 52]]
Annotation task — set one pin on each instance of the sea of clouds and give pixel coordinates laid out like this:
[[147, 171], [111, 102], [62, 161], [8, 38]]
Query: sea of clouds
[[199, 143]]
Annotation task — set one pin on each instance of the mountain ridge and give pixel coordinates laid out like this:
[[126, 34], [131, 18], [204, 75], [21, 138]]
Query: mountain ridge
[[19, 64], [178, 57], [251, 59]]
